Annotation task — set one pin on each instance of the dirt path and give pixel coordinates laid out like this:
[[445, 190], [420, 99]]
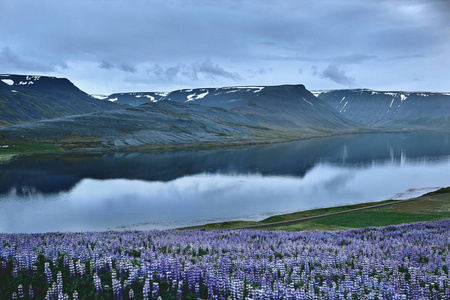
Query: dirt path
[[295, 221]]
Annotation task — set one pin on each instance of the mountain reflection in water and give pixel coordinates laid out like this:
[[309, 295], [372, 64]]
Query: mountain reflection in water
[[173, 189]]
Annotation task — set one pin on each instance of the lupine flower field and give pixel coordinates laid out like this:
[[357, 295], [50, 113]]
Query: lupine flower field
[[394, 262]]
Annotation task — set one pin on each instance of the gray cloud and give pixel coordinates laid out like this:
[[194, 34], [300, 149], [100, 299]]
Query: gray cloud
[[212, 70], [105, 65], [12, 61], [165, 74], [127, 68], [334, 72], [194, 71], [170, 41]]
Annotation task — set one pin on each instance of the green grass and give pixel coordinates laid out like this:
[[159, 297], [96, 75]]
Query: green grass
[[427, 209], [24, 147], [359, 219], [6, 157]]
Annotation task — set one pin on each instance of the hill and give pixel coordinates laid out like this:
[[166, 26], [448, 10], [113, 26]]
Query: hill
[[290, 109], [134, 98], [161, 123], [391, 110], [25, 99], [219, 115]]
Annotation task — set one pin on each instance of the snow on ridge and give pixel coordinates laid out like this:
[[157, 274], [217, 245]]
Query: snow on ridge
[[113, 99], [8, 81], [33, 77], [196, 96], [100, 97], [25, 82], [256, 88], [150, 97], [162, 94]]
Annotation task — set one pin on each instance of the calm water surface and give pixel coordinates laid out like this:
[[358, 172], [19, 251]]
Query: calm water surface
[[169, 190]]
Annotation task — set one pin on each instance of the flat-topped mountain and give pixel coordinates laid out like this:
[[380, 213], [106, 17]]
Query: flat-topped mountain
[[44, 84], [25, 98], [133, 98], [284, 107], [391, 110], [239, 114]]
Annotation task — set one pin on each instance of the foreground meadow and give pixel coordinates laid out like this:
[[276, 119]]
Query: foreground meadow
[[394, 262]]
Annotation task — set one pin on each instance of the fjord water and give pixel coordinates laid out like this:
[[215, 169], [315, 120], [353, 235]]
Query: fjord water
[[93, 192]]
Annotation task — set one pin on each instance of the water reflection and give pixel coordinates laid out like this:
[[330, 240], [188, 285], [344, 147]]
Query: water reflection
[[168, 190]]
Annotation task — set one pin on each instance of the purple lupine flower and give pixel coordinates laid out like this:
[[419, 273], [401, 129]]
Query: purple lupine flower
[[48, 272], [97, 284], [30, 292], [155, 291], [146, 290]]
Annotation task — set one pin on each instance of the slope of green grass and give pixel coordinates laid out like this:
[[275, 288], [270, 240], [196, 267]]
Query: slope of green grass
[[425, 209], [15, 148]]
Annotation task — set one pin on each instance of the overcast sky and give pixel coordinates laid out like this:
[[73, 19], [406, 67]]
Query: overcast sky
[[118, 46]]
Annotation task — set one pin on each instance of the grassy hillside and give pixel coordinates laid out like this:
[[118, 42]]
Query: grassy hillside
[[424, 209], [10, 149]]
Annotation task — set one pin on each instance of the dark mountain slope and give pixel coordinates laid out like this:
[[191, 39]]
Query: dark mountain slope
[[25, 99], [291, 109], [162, 123], [391, 110]]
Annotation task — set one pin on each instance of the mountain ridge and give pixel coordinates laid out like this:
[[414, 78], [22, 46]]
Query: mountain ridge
[[30, 98], [391, 109], [53, 109]]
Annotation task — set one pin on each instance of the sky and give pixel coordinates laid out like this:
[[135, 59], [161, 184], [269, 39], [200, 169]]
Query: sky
[[108, 46]]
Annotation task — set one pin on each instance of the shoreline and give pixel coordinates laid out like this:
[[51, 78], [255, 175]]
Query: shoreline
[[271, 223]]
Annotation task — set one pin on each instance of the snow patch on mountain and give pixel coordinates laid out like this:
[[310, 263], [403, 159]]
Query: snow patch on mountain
[[308, 102], [100, 97], [196, 96], [234, 89], [8, 81]]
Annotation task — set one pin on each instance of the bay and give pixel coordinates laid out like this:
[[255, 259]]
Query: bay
[[164, 190]]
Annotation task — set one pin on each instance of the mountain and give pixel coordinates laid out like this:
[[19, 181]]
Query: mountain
[[25, 98], [53, 109], [290, 109], [160, 123], [391, 110], [133, 99]]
